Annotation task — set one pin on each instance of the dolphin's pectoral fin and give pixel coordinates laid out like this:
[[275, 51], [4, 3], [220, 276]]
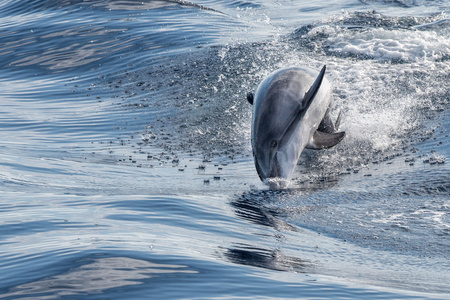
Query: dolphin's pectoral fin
[[309, 96], [323, 140], [250, 97]]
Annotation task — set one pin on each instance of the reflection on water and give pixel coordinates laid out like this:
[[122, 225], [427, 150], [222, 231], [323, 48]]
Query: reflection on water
[[268, 259], [251, 206], [95, 276]]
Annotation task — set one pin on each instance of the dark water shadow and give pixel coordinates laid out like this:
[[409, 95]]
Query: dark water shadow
[[253, 206], [266, 258]]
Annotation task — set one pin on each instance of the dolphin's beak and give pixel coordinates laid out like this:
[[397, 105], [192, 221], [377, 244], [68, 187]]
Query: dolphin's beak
[[278, 163], [269, 167], [274, 172], [279, 176]]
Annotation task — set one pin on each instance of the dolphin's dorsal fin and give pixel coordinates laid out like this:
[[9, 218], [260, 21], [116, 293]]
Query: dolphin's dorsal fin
[[309, 96], [323, 140], [306, 102], [250, 97]]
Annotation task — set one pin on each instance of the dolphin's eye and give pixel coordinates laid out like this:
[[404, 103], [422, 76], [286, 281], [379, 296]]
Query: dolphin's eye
[[273, 143]]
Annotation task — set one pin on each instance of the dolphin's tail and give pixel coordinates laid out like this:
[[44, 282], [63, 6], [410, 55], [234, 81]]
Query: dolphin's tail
[[327, 125], [338, 121], [327, 135]]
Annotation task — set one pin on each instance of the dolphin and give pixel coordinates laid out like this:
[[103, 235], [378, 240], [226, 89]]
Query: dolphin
[[290, 113]]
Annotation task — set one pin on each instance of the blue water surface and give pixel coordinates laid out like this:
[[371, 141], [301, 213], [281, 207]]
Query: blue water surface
[[125, 161]]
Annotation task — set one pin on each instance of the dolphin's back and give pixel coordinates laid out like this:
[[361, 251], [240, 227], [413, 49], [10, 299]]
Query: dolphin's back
[[278, 100]]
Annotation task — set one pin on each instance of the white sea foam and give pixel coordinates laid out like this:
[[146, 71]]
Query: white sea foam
[[391, 76], [390, 45], [374, 112]]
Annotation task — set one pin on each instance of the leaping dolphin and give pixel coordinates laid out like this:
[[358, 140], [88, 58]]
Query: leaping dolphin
[[290, 113]]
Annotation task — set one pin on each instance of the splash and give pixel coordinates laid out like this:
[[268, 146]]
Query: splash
[[389, 76], [277, 183]]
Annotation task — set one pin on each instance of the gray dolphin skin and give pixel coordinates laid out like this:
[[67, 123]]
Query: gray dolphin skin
[[290, 113]]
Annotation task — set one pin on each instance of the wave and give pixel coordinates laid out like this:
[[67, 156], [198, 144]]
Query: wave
[[373, 36]]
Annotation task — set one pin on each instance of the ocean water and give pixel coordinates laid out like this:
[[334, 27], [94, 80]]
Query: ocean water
[[125, 160]]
